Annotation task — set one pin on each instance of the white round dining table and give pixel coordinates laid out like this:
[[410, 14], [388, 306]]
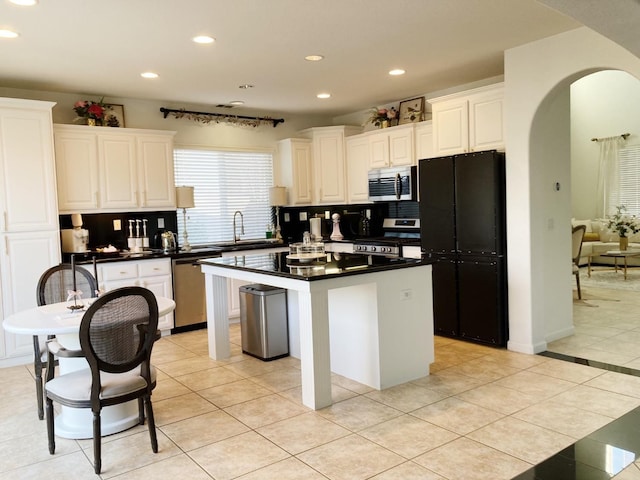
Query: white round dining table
[[57, 319]]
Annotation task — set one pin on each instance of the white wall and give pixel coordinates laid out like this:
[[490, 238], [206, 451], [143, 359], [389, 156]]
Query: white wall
[[603, 104], [537, 77], [361, 117], [146, 114]]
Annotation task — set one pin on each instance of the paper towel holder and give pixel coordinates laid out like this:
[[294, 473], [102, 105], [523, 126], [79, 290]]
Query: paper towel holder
[[315, 224]]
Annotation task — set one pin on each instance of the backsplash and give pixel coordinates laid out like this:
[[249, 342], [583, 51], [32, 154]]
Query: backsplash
[[102, 233], [350, 218]]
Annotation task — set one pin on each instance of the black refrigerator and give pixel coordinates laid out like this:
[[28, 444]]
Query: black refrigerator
[[463, 232]]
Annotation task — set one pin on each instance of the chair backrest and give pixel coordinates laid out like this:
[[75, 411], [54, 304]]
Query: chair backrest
[[577, 235], [55, 283], [117, 333]]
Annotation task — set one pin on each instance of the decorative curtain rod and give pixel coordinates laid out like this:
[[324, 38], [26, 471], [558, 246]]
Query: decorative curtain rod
[[206, 117], [624, 135]]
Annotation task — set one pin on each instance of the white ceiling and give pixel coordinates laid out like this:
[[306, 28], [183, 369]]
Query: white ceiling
[[99, 48]]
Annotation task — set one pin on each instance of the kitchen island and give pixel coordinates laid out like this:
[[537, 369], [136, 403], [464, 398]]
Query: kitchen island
[[368, 318]]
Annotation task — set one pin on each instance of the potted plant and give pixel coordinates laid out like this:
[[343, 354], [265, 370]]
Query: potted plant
[[383, 117], [92, 113], [624, 225]]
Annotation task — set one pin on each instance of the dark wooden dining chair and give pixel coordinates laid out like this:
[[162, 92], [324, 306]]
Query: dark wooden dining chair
[[53, 287], [577, 236], [117, 334]]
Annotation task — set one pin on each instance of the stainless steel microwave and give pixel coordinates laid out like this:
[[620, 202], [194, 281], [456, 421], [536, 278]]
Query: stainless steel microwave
[[394, 183]]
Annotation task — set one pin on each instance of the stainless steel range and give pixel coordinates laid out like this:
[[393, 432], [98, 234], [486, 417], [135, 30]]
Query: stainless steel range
[[397, 232]]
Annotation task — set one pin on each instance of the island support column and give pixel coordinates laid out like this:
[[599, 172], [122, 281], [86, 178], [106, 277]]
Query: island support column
[[315, 362], [217, 317]]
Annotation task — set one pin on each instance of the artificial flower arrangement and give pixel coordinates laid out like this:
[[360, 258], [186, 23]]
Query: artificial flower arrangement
[[622, 223], [380, 115], [96, 111]]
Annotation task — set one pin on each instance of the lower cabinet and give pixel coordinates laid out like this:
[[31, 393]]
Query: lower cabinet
[[154, 274], [233, 285], [233, 296], [24, 256]]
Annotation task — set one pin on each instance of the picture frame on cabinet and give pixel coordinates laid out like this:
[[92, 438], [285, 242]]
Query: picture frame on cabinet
[[411, 111], [116, 112]]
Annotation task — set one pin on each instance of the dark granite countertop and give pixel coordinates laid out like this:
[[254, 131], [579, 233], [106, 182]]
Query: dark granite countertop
[[331, 265], [214, 250]]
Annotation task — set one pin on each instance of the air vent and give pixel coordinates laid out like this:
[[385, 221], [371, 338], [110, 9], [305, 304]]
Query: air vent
[[223, 105]]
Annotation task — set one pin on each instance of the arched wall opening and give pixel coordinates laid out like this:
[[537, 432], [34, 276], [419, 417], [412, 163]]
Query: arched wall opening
[[537, 115]]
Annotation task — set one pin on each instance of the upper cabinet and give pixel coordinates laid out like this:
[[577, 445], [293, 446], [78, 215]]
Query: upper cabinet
[[27, 173], [357, 169], [116, 169], [329, 162], [424, 140], [294, 169], [392, 147], [469, 121]]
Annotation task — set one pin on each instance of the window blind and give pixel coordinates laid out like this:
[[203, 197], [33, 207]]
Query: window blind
[[629, 179], [225, 182]]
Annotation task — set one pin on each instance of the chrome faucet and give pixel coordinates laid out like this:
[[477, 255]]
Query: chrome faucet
[[236, 237]]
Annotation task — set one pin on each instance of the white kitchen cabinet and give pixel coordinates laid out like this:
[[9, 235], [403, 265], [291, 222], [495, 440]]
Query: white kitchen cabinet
[[392, 147], [329, 162], [156, 181], [117, 172], [469, 121], [29, 236], [27, 177], [77, 170], [233, 285], [153, 274], [24, 257], [233, 294], [357, 169], [294, 170], [114, 169], [424, 140]]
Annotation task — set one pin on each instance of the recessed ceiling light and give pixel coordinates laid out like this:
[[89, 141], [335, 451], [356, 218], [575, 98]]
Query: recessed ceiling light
[[204, 39], [397, 71], [245, 86], [324, 95], [149, 75], [314, 58], [8, 34], [24, 3], [236, 102]]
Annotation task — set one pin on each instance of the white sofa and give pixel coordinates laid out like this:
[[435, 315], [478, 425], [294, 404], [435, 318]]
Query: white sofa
[[598, 239]]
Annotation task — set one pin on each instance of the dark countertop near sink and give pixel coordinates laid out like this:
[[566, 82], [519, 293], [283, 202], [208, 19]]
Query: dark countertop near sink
[[213, 250]]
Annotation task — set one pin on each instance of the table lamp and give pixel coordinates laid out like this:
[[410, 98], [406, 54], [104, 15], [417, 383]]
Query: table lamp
[[184, 200], [278, 198]]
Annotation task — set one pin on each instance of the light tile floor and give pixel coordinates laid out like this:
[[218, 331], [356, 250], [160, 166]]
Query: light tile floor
[[607, 323], [483, 413]]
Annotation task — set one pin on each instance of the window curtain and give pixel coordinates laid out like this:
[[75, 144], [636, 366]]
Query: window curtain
[[608, 176]]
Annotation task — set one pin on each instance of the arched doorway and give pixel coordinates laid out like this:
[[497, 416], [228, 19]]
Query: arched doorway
[[537, 80], [602, 104]]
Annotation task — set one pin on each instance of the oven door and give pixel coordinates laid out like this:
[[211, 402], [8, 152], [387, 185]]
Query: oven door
[[389, 184]]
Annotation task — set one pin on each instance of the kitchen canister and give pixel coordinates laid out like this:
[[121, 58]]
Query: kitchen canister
[[316, 228]]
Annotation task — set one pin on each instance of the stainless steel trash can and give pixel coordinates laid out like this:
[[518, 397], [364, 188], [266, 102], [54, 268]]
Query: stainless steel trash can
[[263, 321]]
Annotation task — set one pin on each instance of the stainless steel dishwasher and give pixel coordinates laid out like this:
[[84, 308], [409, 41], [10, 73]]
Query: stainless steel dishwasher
[[189, 294]]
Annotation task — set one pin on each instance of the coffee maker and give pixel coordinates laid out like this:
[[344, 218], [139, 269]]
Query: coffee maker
[[76, 239]]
